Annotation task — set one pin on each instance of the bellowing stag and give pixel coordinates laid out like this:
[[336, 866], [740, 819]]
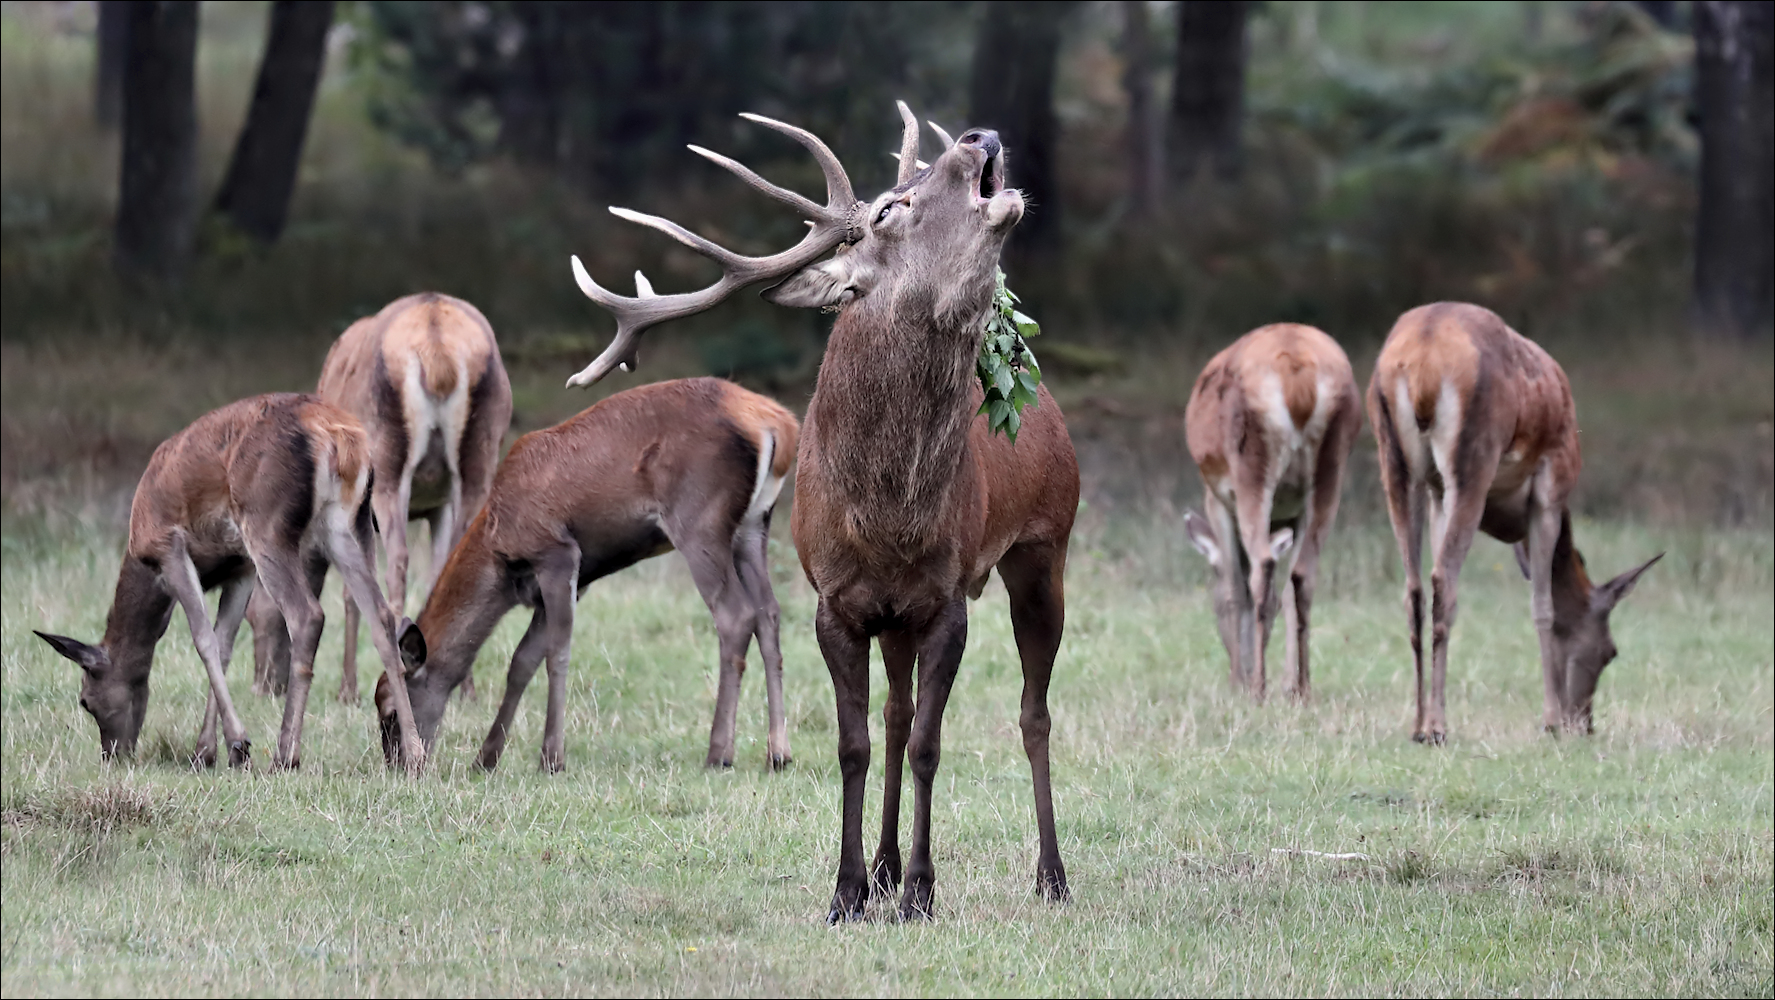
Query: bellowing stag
[[904, 502]]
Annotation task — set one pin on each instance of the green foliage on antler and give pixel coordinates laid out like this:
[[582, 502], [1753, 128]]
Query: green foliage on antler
[[1007, 367]]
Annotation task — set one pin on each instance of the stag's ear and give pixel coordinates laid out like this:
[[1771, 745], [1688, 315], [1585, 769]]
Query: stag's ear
[[412, 643], [92, 659], [1201, 535], [832, 282], [1521, 550], [1281, 542], [1605, 597]]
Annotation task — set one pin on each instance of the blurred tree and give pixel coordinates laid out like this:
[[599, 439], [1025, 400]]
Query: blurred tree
[[609, 93], [1208, 88], [1145, 129], [255, 193], [1015, 52], [113, 46], [156, 209], [1735, 223]]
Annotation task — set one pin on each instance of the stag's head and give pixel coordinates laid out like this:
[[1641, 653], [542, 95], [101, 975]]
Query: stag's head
[[929, 247], [930, 244]]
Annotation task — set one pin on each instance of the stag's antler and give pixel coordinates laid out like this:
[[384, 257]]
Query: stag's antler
[[840, 220]]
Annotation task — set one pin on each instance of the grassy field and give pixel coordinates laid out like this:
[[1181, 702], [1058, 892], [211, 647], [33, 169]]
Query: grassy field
[[1637, 861], [1506, 862]]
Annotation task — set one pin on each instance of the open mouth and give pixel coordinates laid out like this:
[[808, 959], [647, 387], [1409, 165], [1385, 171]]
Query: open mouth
[[992, 178]]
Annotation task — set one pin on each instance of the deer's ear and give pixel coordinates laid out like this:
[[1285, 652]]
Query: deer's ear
[[832, 282], [1201, 535], [92, 659], [412, 643], [1605, 597]]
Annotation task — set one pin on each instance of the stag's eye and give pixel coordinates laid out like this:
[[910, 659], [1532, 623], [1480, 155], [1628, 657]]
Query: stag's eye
[[882, 215]]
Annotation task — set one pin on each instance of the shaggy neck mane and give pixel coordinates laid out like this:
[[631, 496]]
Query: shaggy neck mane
[[892, 407]]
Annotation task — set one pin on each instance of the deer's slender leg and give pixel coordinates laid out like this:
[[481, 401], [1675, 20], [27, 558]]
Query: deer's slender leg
[[353, 551], [939, 657], [348, 670], [753, 564], [1035, 576], [1543, 537], [556, 575], [708, 545], [271, 645], [180, 575], [230, 609], [1235, 582], [1461, 508], [899, 655], [525, 659], [303, 617], [1254, 531], [1405, 510], [390, 505], [846, 653]]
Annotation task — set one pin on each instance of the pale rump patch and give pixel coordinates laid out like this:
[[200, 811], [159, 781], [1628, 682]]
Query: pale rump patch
[[342, 454]]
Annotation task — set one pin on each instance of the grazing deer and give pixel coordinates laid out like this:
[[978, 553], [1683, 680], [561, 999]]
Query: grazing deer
[[1477, 431], [694, 465], [1270, 423], [269, 489], [904, 501], [425, 379]]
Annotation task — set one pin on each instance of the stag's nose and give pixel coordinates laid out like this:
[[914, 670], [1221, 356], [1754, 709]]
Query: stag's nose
[[984, 138]]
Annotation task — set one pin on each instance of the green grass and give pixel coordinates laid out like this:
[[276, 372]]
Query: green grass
[[1636, 861]]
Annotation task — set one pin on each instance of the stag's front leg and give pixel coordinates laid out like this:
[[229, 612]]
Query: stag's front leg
[[846, 653], [939, 656], [899, 656], [525, 659], [556, 574]]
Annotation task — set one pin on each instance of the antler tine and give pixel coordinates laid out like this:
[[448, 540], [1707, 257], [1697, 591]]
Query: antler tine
[[908, 144], [838, 185], [745, 173], [942, 136]]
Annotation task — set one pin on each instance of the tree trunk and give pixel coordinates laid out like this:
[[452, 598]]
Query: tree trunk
[[1735, 223], [1208, 89], [113, 48], [261, 175], [1013, 92], [1145, 144], [157, 202]]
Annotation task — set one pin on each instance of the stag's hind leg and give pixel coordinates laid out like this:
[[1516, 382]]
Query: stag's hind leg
[[1035, 577], [1406, 498]]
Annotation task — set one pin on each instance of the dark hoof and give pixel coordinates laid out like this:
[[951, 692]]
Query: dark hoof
[[487, 763], [293, 764], [781, 763], [847, 906], [884, 877], [917, 903], [1051, 886], [1430, 739], [240, 753], [715, 762], [552, 765], [203, 758]]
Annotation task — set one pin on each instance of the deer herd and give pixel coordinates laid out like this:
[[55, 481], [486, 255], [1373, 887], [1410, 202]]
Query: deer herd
[[904, 503]]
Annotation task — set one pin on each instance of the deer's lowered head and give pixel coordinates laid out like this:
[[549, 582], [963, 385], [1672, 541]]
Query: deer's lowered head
[[1581, 637]]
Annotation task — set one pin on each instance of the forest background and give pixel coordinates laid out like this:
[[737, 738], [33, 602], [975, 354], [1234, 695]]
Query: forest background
[[195, 199]]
